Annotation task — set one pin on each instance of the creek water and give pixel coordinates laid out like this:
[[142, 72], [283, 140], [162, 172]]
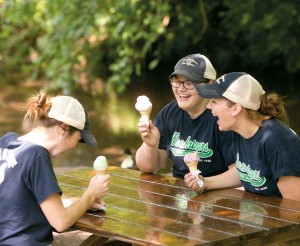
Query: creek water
[[113, 118]]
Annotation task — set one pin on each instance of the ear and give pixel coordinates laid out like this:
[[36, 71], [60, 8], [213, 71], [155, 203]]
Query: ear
[[236, 109], [60, 129]]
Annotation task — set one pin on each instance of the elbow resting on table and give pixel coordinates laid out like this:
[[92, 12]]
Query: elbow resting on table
[[64, 221], [60, 226], [146, 169]]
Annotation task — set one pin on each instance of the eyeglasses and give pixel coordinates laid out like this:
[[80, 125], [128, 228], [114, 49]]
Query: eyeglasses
[[186, 84]]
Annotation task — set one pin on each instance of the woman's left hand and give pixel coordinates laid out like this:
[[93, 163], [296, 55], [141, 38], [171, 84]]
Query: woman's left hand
[[191, 182], [97, 204]]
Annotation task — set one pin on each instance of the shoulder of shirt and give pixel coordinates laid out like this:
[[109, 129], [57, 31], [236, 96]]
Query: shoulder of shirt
[[9, 135], [275, 126], [171, 107], [278, 128], [8, 138]]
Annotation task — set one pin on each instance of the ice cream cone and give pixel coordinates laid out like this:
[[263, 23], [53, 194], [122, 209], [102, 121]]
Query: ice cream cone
[[191, 160], [101, 172], [144, 106], [145, 114], [193, 166], [100, 165]]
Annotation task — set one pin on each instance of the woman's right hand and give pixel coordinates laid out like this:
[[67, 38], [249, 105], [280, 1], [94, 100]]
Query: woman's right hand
[[149, 133], [99, 185]]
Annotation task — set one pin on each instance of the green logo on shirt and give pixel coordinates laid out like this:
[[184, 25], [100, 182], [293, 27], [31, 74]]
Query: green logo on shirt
[[247, 174], [182, 147]]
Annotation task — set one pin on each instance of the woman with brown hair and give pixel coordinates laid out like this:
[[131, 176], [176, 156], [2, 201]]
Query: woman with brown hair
[[267, 151], [30, 197]]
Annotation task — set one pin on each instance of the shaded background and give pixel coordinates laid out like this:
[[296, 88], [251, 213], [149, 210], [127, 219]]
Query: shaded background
[[106, 53]]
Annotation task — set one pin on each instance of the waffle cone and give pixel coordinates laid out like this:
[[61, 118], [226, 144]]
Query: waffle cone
[[101, 172], [146, 114], [193, 166]]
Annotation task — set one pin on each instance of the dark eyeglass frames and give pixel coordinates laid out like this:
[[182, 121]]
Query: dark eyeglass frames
[[186, 84]]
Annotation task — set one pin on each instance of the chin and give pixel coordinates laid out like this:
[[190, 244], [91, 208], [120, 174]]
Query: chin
[[225, 129], [182, 105], [222, 128], [56, 155], [183, 108]]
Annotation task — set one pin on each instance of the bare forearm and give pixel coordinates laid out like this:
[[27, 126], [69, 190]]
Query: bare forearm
[[229, 179], [72, 213], [289, 187], [78, 208], [62, 218], [148, 159]]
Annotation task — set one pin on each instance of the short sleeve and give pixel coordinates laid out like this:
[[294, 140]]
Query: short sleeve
[[42, 180], [286, 161], [158, 122]]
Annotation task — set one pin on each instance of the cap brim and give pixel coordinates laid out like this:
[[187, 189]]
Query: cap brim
[[209, 90], [88, 138], [195, 78], [86, 134]]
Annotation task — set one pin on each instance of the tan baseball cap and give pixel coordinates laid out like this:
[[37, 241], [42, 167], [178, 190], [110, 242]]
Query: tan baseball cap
[[68, 110], [238, 87]]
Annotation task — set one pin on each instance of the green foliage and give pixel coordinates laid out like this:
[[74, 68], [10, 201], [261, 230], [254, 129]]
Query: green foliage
[[79, 37], [78, 43], [264, 32], [17, 34], [132, 28]]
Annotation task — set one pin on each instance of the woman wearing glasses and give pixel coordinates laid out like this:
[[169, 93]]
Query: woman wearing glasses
[[185, 126]]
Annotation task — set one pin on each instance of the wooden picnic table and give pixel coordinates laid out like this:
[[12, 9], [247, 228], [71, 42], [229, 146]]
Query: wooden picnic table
[[147, 209]]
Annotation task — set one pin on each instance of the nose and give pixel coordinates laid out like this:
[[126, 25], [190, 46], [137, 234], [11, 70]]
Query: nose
[[181, 88], [209, 105]]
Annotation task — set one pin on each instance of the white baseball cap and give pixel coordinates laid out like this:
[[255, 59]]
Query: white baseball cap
[[238, 87], [68, 110]]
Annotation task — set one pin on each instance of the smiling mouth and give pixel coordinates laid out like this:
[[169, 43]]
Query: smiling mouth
[[184, 96]]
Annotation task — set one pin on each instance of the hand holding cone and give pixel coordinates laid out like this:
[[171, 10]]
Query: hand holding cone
[[191, 160], [144, 106], [100, 167]]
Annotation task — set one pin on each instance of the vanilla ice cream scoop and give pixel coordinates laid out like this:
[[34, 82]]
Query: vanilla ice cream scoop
[[191, 160], [100, 165], [144, 106]]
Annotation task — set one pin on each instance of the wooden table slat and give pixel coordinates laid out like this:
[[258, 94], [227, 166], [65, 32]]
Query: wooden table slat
[[153, 209]]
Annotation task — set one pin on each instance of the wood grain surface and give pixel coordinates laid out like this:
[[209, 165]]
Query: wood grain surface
[[147, 209]]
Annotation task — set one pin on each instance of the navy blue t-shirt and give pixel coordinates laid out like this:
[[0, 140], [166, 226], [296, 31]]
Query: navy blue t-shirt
[[273, 151], [26, 180], [180, 134]]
